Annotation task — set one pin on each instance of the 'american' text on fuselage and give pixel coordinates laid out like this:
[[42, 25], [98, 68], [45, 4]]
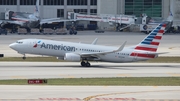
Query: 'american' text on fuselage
[[57, 47]]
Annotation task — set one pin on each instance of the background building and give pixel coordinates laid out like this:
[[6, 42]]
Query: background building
[[59, 8], [174, 6]]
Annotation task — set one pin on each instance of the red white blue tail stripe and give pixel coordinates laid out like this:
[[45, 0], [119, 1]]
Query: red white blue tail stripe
[[152, 41], [149, 44]]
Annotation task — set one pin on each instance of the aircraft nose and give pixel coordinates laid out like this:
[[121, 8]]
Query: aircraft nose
[[12, 45]]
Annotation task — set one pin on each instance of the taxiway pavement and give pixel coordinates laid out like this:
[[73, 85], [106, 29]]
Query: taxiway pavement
[[89, 93], [30, 70]]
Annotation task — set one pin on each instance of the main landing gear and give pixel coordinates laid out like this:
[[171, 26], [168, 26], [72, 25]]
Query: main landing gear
[[24, 57], [85, 64]]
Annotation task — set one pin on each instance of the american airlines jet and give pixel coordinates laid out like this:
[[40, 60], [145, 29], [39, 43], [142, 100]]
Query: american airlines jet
[[77, 52]]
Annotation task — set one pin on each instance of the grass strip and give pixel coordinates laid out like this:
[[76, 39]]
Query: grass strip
[[120, 81], [31, 59], [53, 59]]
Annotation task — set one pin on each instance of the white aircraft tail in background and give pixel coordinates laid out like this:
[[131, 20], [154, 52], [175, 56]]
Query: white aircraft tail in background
[[77, 52], [28, 20], [170, 17], [36, 10]]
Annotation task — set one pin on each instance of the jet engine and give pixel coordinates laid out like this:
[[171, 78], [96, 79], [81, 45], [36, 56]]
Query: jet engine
[[72, 57], [60, 58]]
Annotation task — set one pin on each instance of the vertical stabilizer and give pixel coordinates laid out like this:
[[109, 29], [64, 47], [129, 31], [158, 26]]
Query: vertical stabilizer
[[170, 17], [36, 10], [152, 41]]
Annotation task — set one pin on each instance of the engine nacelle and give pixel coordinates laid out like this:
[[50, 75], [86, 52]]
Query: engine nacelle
[[72, 57], [60, 58]]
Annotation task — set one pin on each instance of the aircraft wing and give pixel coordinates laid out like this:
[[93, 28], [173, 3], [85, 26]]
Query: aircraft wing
[[102, 53], [52, 20], [15, 22], [11, 22]]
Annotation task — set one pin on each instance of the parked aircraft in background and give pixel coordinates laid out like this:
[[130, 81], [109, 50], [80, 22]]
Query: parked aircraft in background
[[27, 20], [69, 51], [148, 23]]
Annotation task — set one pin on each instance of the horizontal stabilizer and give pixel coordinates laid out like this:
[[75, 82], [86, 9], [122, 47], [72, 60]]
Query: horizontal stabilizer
[[159, 53]]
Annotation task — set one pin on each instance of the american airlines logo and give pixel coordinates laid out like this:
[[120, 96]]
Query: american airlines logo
[[37, 44], [57, 47], [36, 9]]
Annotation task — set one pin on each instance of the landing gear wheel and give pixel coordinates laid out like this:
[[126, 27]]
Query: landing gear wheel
[[75, 32], [88, 64], [83, 64], [24, 58]]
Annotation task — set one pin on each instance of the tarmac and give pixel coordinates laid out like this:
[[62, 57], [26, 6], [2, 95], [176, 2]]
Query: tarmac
[[33, 70], [28, 70]]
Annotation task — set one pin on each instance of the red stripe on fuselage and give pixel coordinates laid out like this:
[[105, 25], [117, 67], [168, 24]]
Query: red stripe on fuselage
[[146, 48], [143, 55]]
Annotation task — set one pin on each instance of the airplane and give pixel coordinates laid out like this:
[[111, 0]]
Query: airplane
[[158, 21], [27, 20], [80, 52]]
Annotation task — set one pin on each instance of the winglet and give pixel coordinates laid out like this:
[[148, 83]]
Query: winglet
[[94, 42], [121, 47]]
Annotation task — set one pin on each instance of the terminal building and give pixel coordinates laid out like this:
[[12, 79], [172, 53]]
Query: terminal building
[[59, 8]]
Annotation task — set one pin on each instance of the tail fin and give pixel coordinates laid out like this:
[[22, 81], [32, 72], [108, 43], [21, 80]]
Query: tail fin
[[36, 10], [151, 42], [170, 17]]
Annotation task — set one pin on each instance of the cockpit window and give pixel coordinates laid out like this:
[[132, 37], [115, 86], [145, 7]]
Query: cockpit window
[[20, 42]]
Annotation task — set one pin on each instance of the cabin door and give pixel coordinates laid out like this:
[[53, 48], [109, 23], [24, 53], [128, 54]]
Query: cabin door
[[135, 56]]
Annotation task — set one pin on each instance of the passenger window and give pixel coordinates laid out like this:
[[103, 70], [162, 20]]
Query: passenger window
[[19, 42]]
